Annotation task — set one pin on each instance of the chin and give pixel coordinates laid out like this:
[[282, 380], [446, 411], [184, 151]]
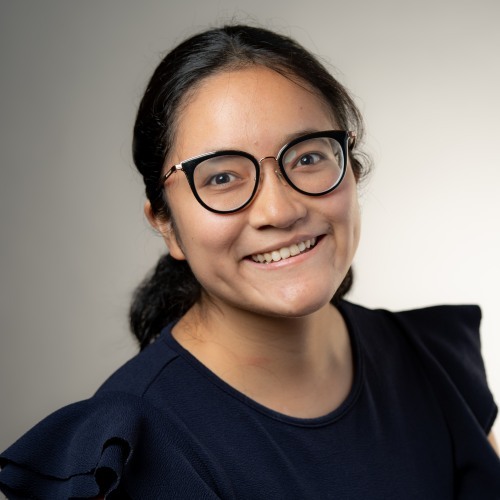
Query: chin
[[297, 307]]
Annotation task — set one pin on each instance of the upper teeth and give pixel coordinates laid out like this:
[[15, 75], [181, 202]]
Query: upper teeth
[[285, 252]]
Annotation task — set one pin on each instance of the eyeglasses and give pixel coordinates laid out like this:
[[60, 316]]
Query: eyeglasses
[[227, 181]]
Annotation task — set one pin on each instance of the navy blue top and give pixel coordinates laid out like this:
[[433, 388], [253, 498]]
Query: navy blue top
[[413, 426]]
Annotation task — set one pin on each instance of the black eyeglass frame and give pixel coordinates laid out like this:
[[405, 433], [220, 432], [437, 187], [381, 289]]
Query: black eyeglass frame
[[346, 139]]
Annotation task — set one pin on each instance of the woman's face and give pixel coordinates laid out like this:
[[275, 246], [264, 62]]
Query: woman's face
[[257, 110]]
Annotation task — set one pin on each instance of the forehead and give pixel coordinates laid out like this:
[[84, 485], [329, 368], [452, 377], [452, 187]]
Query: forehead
[[248, 108]]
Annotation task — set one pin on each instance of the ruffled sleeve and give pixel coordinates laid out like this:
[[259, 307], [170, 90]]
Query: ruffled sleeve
[[449, 335], [113, 445], [447, 341]]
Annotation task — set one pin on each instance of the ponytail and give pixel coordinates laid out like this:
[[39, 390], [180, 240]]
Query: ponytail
[[164, 296]]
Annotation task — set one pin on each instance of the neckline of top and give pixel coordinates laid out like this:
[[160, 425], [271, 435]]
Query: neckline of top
[[329, 418]]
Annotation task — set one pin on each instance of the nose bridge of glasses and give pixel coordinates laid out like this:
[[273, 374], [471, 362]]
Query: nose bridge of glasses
[[277, 170]]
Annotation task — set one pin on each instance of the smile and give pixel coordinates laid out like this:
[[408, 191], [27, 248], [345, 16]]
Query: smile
[[284, 252]]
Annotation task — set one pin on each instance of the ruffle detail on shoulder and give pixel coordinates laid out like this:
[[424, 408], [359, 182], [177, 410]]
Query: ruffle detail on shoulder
[[114, 445], [448, 343], [79, 451], [449, 335]]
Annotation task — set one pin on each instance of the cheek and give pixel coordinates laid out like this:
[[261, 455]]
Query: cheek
[[192, 222], [204, 236], [342, 209], [356, 217], [342, 205], [209, 248]]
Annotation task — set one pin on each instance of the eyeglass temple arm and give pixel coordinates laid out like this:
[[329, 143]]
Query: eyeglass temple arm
[[351, 139], [172, 170]]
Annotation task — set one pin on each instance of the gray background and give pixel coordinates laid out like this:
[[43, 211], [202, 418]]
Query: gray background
[[74, 241]]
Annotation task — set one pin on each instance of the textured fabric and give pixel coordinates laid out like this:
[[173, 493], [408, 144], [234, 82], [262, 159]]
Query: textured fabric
[[414, 426]]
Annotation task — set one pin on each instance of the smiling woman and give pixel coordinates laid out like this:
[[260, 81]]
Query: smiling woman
[[256, 378], [256, 109]]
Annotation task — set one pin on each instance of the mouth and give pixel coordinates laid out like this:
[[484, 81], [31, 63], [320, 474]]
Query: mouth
[[284, 253]]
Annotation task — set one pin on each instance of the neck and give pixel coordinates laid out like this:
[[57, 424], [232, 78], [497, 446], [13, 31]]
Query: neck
[[298, 366]]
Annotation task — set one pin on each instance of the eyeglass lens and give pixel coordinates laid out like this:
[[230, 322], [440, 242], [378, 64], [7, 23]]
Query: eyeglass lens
[[227, 182]]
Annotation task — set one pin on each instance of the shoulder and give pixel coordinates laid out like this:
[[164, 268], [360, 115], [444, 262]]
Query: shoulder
[[446, 342], [138, 374], [120, 439], [446, 330], [449, 333], [68, 450], [451, 319], [113, 443]]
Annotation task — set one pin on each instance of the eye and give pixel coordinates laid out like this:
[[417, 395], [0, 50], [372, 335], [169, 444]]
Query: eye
[[309, 159], [306, 154], [221, 178]]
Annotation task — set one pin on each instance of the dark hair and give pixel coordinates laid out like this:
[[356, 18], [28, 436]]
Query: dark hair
[[171, 289]]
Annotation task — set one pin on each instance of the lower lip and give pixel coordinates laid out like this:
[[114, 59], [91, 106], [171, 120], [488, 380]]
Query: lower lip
[[297, 259]]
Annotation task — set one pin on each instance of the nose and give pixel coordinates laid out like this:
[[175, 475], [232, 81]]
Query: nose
[[276, 204]]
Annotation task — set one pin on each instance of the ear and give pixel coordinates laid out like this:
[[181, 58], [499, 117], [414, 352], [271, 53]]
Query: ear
[[165, 228]]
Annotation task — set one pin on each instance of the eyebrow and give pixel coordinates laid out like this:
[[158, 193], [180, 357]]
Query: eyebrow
[[290, 137], [285, 140]]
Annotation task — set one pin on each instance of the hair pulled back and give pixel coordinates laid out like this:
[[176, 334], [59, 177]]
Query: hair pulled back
[[171, 289]]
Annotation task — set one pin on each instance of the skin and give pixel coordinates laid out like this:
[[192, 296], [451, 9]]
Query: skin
[[262, 323], [493, 442]]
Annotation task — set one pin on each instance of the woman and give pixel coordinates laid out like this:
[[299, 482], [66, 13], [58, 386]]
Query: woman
[[255, 378]]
